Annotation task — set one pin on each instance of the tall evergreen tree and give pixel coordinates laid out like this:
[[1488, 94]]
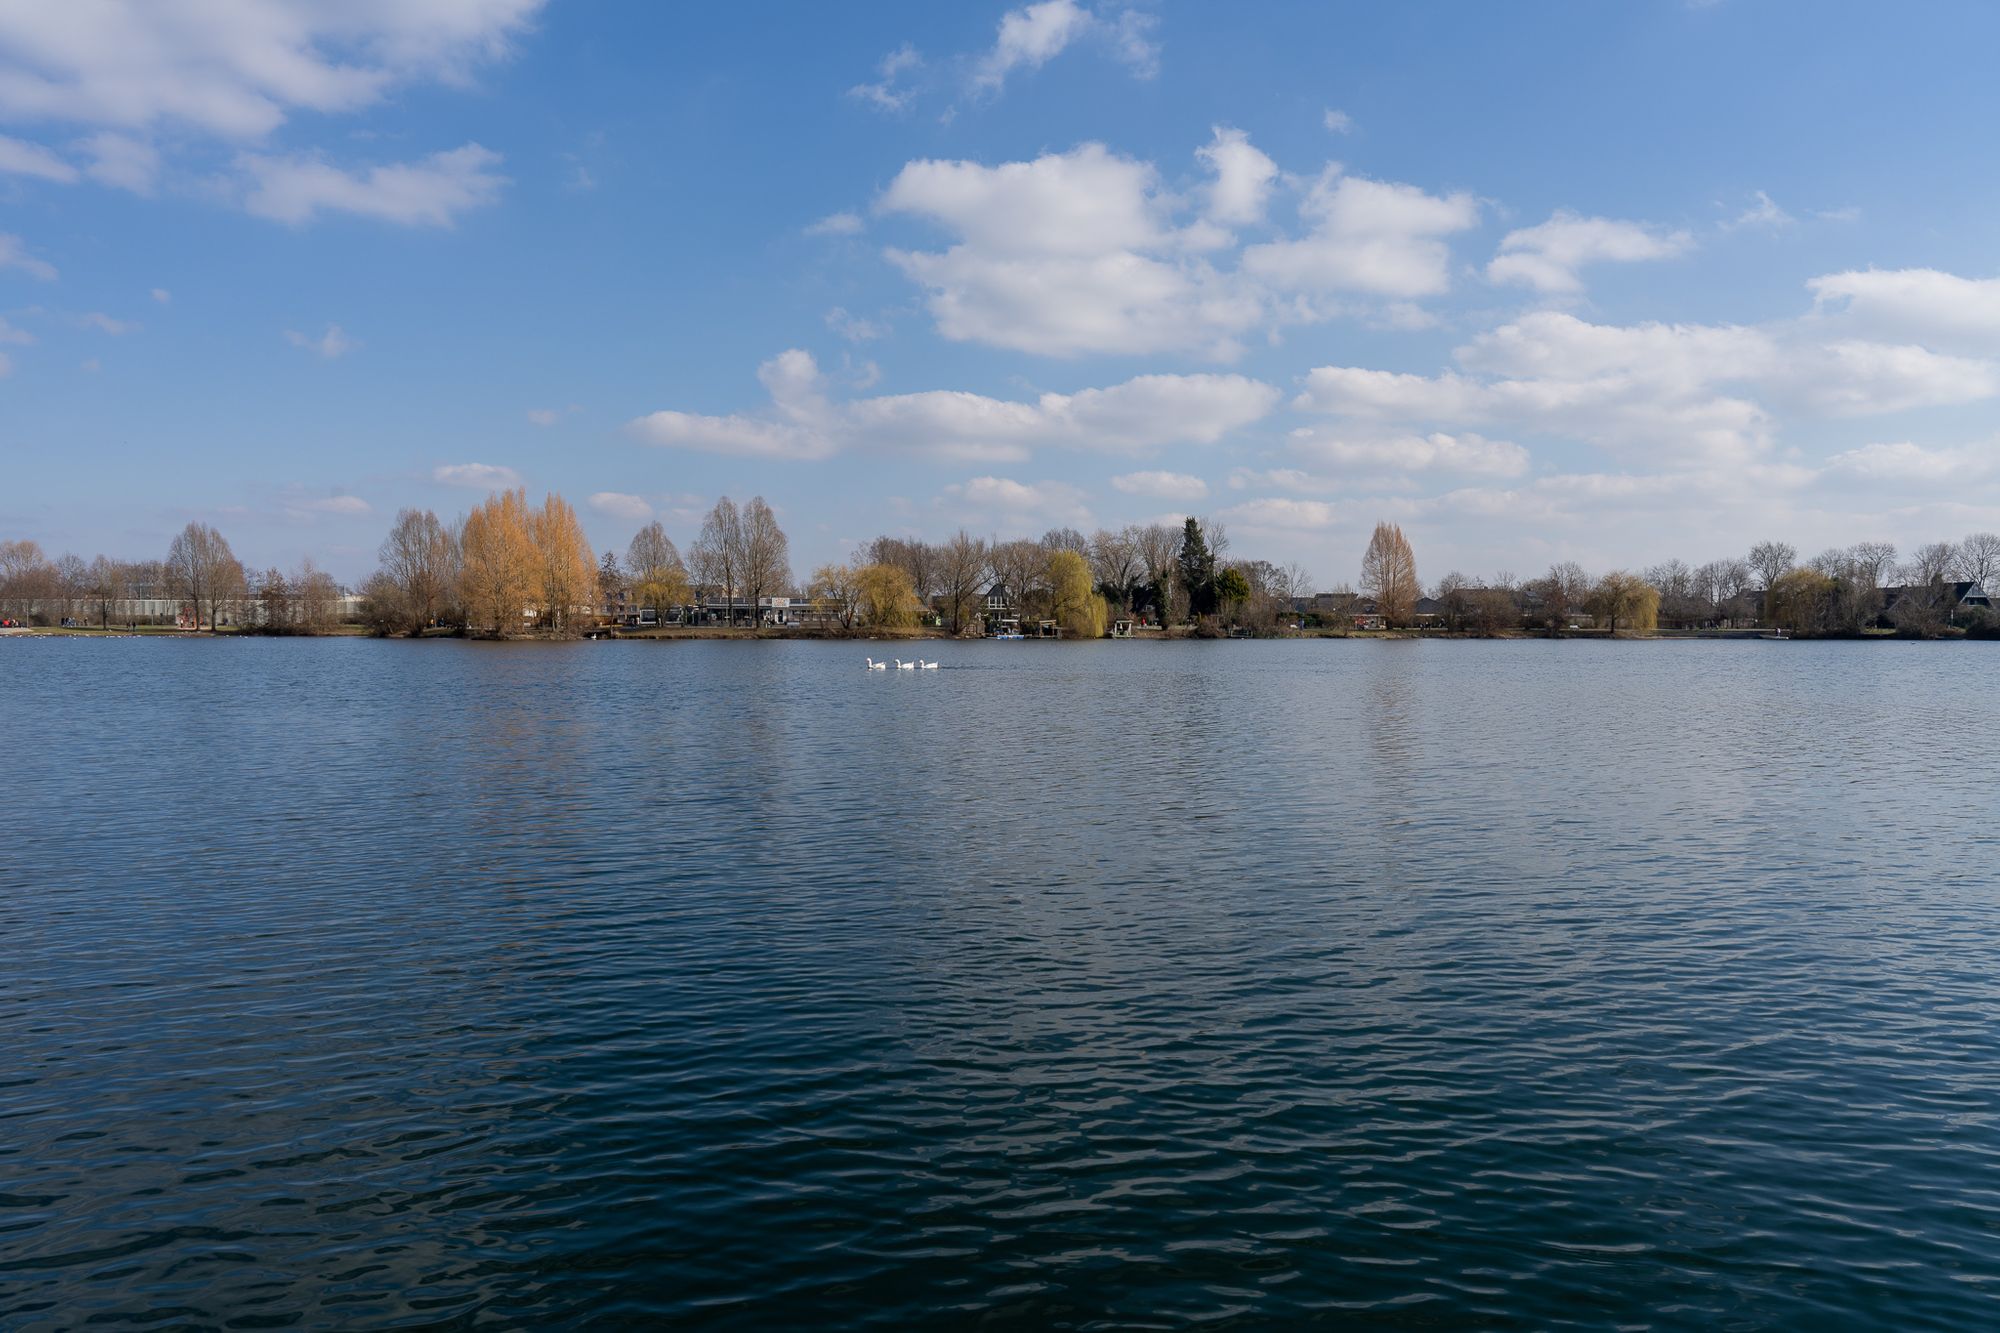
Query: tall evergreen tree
[[1197, 570]]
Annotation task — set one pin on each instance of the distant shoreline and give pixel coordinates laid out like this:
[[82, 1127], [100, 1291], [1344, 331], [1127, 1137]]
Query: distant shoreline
[[721, 634]]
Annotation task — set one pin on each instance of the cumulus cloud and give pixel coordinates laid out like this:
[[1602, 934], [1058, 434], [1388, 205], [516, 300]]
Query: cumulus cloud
[[544, 416], [801, 422], [138, 72], [1086, 251], [162, 295], [1904, 462], [103, 323], [1466, 452], [1548, 257], [1039, 502], [617, 504], [332, 345], [14, 254], [1337, 122], [1243, 177], [1035, 34], [1677, 394], [476, 476], [1282, 514], [1369, 236], [430, 192], [1162, 485], [236, 70], [1922, 303]]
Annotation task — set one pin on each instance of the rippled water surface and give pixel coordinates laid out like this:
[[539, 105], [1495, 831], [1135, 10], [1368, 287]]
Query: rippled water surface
[[357, 984]]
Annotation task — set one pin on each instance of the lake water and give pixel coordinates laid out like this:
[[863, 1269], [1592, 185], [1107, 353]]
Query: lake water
[[1522, 984]]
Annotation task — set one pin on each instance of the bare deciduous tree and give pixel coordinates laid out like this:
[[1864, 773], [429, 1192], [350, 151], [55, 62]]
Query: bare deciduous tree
[[718, 553], [1389, 575], [767, 559], [962, 572], [202, 571]]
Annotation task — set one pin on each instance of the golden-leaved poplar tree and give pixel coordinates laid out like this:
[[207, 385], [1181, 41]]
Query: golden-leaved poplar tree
[[565, 567], [499, 579]]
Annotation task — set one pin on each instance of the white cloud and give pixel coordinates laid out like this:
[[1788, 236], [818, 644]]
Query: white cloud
[[1375, 237], [1038, 503], [333, 344], [1856, 378], [544, 416], [10, 334], [1905, 462], [1548, 256], [122, 161], [236, 70], [14, 254], [617, 504], [853, 327], [1243, 177], [1086, 251], [836, 224], [1763, 212], [1282, 514], [1922, 303], [890, 92], [162, 295], [1337, 122], [432, 191], [1676, 394], [1140, 414], [21, 158], [332, 504], [1437, 452], [476, 476], [1162, 485], [104, 323], [1035, 34]]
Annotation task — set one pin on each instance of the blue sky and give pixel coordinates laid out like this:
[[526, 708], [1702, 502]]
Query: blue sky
[[1612, 282]]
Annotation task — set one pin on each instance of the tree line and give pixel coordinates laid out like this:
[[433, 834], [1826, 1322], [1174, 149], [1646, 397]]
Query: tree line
[[200, 583], [510, 567]]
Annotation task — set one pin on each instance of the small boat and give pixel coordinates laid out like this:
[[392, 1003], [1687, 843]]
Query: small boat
[[1775, 634]]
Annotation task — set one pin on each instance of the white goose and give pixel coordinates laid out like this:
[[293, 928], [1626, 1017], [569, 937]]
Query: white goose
[[927, 666], [901, 665], [874, 665]]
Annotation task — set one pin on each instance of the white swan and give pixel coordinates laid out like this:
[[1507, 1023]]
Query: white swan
[[927, 666], [874, 665], [901, 665]]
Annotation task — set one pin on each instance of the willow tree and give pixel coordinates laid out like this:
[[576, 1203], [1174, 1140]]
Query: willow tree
[[1389, 575], [1074, 601], [1626, 600], [565, 566], [885, 597], [499, 576]]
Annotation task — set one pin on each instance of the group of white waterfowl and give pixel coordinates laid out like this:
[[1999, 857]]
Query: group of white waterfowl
[[901, 665]]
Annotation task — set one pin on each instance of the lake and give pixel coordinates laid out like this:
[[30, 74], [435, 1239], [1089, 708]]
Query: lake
[[1417, 984]]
